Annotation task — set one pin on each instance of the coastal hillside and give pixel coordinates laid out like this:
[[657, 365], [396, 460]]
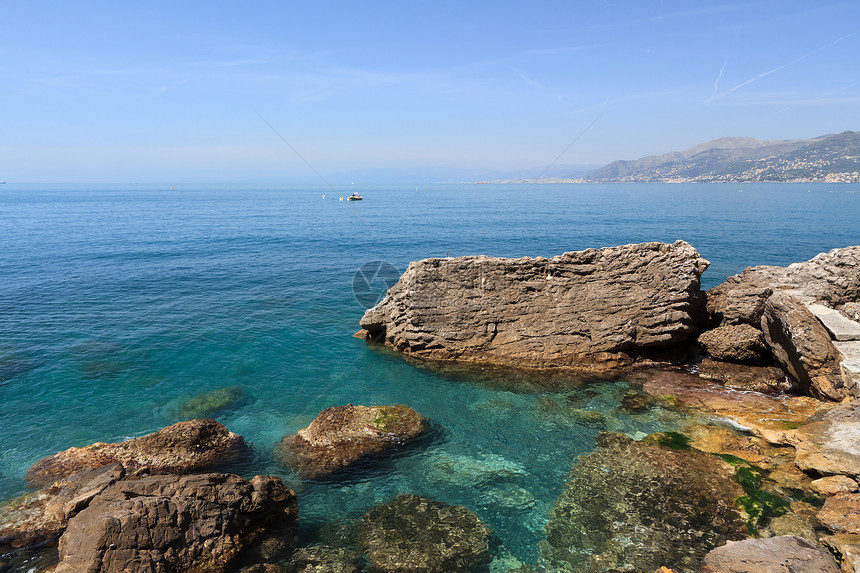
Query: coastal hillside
[[829, 158]]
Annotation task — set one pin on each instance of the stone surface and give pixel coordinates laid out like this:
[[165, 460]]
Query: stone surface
[[413, 533], [802, 347], [639, 506], [181, 448], [839, 327], [593, 310], [830, 442], [767, 379], [172, 523], [846, 547], [851, 311], [774, 418], [785, 554], [831, 485], [323, 559], [43, 515], [740, 343], [841, 513], [343, 435], [739, 300]]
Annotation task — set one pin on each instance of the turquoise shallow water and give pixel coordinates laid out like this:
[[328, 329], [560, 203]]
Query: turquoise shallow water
[[117, 304]]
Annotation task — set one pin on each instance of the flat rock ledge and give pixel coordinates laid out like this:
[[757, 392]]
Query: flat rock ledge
[[784, 554], [592, 310], [343, 435], [184, 447]]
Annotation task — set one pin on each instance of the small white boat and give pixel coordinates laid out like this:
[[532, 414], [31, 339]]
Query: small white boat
[[354, 197]]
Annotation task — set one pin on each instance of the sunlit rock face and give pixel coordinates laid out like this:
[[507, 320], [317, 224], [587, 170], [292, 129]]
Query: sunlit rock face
[[594, 310]]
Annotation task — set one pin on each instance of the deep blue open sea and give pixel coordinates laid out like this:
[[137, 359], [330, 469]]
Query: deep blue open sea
[[120, 303]]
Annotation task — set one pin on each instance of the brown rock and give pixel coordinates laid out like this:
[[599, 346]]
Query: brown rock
[[593, 310], [846, 547], [181, 448], [43, 515], [342, 435], [841, 513], [766, 379], [785, 554], [739, 343], [739, 300], [172, 523], [774, 418], [831, 485], [802, 347], [830, 442]]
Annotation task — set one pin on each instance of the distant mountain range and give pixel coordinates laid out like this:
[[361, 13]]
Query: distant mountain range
[[829, 158]]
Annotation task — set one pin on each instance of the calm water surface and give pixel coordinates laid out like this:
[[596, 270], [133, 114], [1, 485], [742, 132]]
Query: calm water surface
[[118, 304]]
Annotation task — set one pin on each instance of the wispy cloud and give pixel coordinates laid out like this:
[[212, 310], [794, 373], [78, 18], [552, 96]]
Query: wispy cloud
[[781, 67], [717, 84]]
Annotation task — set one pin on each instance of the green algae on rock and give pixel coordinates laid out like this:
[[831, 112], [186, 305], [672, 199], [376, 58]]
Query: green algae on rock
[[639, 505], [207, 404], [416, 534], [342, 435]]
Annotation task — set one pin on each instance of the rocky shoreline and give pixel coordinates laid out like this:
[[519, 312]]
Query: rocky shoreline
[[767, 482]]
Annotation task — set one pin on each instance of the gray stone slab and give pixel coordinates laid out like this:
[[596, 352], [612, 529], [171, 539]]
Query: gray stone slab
[[851, 376], [850, 350], [840, 327]]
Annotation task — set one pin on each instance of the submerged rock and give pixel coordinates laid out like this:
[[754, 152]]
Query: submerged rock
[[208, 403], [181, 448], [786, 554], [323, 559], [342, 435], [417, 534], [593, 310], [638, 505], [846, 547], [172, 523]]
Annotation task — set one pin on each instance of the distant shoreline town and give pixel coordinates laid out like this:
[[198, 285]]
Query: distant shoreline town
[[825, 159]]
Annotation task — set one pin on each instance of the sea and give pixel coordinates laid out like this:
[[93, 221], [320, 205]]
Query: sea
[[126, 308]]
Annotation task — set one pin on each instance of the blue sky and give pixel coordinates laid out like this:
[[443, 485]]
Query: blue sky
[[161, 92]]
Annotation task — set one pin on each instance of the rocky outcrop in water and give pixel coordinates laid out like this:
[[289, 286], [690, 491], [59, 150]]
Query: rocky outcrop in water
[[596, 309], [777, 301], [172, 523], [343, 435], [786, 554], [183, 447], [416, 534], [638, 506]]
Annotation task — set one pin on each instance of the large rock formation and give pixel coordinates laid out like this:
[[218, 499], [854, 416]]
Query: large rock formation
[[596, 309], [172, 523], [777, 300], [342, 435], [638, 505], [183, 447], [416, 534]]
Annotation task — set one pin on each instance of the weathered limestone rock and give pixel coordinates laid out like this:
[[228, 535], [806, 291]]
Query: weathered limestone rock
[[638, 506], [43, 515], [415, 534], [181, 448], [172, 523], [740, 343], [342, 435], [774, 418], [802, 347], [830, 442], [766, 379], [775, 298], [846, 547], [786, 554], [851, 311], [839, 327], [831, 485], [597, 309], [841, 513]]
